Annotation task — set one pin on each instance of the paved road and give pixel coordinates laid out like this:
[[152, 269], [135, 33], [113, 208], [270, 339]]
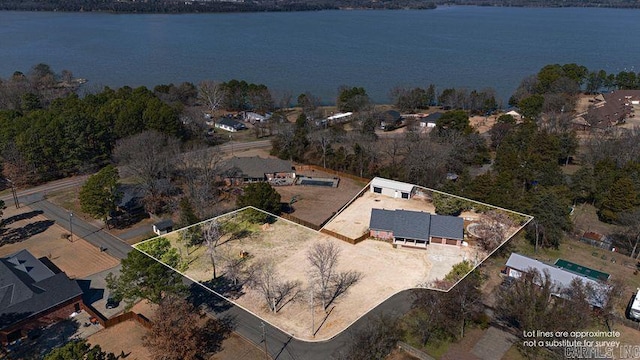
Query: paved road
[[96, 236], [282, 346]]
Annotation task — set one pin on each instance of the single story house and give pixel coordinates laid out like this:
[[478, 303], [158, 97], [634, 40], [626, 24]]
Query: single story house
[[253, 117], [239, 170], [415, 228], [163, 227], [517, 265], [430, 120], [229, 125], [389, 120], [391, 188], [131, 197], [33, 295]]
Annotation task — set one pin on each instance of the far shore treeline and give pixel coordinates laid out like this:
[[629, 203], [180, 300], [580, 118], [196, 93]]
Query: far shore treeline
[[181, 6], [48, 130]]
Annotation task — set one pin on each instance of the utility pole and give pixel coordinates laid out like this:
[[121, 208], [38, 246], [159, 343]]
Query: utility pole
[[264, 339], [15, 196], [313, 318], [71, 226]]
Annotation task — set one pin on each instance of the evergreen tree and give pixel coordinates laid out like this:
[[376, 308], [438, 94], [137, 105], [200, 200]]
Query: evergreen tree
[[260, 195], [99, 196]]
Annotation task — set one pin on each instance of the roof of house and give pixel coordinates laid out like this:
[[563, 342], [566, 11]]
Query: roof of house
[[386, 183], [416, 224], [231, 123], [390, 115], [256, 167], [451, 227], [164, 224], [412, 225], [131, 196], [431, 118], [561, 278], [28, 287]]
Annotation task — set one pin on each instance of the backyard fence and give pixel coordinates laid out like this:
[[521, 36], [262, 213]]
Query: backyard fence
[[413, 351], [106, 323], [332, 172], [300, 221]]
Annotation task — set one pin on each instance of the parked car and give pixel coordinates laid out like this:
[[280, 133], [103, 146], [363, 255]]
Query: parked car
[[112, 302]]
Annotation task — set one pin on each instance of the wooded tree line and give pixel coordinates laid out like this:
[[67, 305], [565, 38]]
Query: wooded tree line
[[526, 155], [175, 6]]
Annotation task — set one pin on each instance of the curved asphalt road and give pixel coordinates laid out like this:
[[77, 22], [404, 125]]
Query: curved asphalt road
[[280, 345]]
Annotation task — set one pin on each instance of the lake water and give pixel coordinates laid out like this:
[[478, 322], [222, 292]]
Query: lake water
[[473, 47]]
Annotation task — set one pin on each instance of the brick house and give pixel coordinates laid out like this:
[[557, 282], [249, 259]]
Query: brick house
[[240, 170], [33, 295], [415, 228]]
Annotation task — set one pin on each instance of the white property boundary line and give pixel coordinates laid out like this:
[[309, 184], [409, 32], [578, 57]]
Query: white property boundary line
[[318, 232]]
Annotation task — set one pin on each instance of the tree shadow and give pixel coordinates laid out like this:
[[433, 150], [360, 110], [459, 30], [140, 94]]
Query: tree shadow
[[199, 296], [20, 234], [216, 331], [342, 282], [18, 217], [41, 340]]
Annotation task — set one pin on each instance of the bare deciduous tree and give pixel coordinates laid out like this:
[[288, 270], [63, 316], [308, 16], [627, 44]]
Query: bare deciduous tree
[[149, 158], [212, 234], [323, 257], [275, 291], [493, 229], [200, 168], [211, 93], [179, 332]]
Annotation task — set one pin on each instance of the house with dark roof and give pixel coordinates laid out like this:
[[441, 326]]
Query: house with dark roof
[[163, 227], [33, 295], [389, 120], [612, 108], [239, 170], [415, 228], [229, 125]]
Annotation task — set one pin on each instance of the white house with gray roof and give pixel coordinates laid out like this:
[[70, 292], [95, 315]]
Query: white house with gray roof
[[517, 265], [415, 228], [391, 188]]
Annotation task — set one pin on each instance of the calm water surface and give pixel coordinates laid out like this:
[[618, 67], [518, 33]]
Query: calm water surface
[[474, 47]]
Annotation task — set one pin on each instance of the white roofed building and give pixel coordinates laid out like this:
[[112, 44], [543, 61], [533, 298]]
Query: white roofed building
[[391, 188]]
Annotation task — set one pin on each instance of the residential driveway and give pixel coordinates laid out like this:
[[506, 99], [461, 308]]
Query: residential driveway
[[493, 344], [96, 292]]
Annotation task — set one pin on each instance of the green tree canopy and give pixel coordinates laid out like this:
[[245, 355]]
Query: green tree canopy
[[454, 121], [262, 196], [352, 98], [79, 350], [142, 277], [99, 195]]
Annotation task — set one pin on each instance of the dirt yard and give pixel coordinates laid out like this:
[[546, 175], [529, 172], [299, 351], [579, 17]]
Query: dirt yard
[[125, 337], [316, 204], [29, 229], [354, 220], [385, 271]]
